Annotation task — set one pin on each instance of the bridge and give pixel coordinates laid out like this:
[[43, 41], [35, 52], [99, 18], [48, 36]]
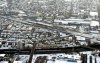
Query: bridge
[[51, 50]]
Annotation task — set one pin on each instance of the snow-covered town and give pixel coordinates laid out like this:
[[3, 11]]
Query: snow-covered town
[[49, 31]]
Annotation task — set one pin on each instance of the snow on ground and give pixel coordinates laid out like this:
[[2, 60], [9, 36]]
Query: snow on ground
[[24, 58]]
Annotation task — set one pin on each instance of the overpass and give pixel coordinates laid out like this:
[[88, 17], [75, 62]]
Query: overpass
[[51, 50]]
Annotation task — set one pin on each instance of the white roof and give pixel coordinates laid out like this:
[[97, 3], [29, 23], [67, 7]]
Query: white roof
[[80, 38], [62, 34], [2, 55], [9, 26], [94, 13], [86, 52], [21, 11], [74, 19], [30, 28], [62, 21], [94, 23], [77, 21], [17, 62], [3, 61]]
